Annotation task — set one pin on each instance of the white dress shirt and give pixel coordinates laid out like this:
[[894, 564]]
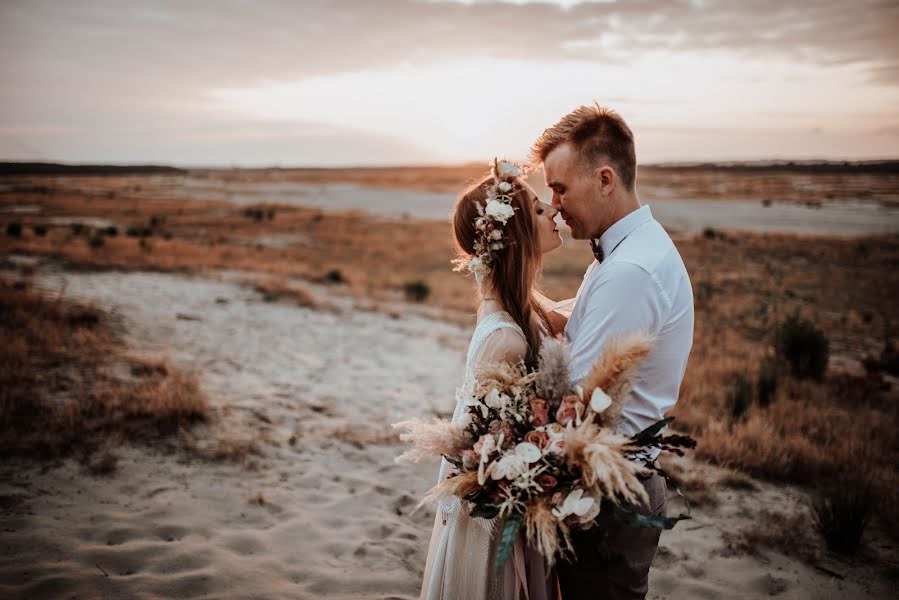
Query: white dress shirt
[[641, 285]]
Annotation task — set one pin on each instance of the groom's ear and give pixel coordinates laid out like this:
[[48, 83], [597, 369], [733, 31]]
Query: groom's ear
[[606, 179]]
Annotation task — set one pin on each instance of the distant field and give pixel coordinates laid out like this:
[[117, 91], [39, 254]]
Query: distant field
[[806, 183]]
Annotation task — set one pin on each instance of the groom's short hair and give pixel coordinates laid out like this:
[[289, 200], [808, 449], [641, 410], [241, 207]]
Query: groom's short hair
[[596, 134]]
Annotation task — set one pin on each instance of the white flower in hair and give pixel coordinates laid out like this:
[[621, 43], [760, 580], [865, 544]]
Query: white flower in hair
[[500, 211], [477, 266], [491, 219], [506, 169]]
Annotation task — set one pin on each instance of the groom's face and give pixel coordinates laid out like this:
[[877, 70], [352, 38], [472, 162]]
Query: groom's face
[[575, 194]]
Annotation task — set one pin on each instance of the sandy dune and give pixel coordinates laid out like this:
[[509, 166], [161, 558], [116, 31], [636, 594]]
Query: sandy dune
[[333, 520]]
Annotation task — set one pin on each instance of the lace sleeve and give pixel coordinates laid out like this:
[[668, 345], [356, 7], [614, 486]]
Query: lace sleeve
[[504, 344]]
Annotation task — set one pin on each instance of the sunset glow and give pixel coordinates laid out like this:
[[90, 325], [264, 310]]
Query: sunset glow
[[398, 82]]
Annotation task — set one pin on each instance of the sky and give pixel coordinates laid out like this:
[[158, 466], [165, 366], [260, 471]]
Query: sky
[[343, 82]]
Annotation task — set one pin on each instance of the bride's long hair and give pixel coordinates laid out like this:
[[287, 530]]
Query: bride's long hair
[[515, 267]]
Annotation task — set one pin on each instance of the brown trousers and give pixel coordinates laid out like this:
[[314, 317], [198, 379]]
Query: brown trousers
[[625, 574]]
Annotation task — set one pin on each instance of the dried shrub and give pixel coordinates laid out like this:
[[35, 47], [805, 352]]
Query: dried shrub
[[334, 276], [739, 396], [889, 358], [803, 347], [842, 512], [416, 291], [766, 382]]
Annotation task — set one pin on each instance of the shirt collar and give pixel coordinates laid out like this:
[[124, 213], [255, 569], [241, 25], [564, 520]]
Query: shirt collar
[[615, 234]]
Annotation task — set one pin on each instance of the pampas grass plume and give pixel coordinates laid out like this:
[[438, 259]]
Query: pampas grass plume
[[553, 379], [613, 371], [431, 438], [459, 485], [547, 534], [600, 456]]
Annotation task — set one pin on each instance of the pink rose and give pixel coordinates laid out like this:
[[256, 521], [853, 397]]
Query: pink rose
[[568, 410], [539, 412], [538, 438], [546, 481]]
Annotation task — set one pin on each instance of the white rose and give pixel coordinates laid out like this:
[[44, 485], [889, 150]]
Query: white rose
[[500, 211], [505, 187], [496, 234]]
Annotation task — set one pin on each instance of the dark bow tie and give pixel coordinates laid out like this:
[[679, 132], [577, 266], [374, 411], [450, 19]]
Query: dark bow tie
[[597, 250]]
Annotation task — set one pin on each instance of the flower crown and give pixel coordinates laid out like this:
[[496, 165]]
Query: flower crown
[[491, 220]]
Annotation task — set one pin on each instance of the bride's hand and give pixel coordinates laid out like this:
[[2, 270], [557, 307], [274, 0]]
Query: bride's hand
[[557, 322]]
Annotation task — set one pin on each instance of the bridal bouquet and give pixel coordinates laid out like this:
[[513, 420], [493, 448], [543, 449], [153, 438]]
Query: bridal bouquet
[[543, 456]]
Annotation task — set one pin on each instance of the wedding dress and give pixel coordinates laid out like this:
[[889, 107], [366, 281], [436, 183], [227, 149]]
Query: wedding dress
[[462, 555]]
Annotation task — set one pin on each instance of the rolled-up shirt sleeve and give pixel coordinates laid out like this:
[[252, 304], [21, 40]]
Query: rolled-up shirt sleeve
[[623, 298]]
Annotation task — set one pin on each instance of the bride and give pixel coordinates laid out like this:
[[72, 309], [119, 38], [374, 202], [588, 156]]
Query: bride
[[501, 231]]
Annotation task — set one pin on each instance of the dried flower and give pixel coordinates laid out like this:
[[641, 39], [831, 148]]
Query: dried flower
[[547, 481], [568, 410], [539, 412], [500, 211], [538, 438], [575, 504]]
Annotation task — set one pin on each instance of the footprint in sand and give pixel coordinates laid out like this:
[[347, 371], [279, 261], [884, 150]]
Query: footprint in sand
[[123, 535], [182, 562], [770, 585], [170, 533], [244, 545]]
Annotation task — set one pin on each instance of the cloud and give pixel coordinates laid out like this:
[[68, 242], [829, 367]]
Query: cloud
[[233, 43], [104, 65]]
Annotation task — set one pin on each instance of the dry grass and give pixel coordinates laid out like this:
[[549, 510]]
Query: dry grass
[[360, 437], [274, 289], [66, 383], [789, 534], [744, 286], [694, 485]]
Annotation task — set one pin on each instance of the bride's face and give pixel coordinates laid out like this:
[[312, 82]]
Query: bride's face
[[545, 217]]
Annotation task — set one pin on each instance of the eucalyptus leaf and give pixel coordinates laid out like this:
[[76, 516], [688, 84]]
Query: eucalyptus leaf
[[653, 430], [635, 519], [507, 541], [453, 461]]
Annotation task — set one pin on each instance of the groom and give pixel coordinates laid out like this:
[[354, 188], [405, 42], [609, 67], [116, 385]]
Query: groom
[[638, 282]]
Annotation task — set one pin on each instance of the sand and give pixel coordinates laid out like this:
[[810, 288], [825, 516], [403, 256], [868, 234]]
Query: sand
[[325, 512]]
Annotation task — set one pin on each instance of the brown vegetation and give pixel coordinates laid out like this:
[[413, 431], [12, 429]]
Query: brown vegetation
[[745, 285], [67, 385]]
